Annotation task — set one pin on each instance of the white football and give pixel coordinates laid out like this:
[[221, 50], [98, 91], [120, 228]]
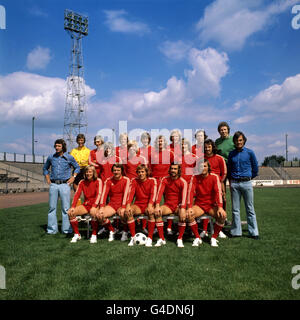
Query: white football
[[140, 239]]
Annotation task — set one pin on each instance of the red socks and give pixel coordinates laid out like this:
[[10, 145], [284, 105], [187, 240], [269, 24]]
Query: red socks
[[131, 226], [181, 229], [74, 224], [144, 223], [107, 224], [217, 229], [170, 222], [95, 225], [194, 228], [205, 224], [151, 227], [160, 229]]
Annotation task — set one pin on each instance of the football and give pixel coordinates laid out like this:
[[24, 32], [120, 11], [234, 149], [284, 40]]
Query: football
[[140, 239]]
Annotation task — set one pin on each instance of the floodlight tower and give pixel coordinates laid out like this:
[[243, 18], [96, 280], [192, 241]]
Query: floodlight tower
[[75, 119]]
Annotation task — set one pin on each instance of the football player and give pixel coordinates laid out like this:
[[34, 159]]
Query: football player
[[133, 160], [91, 187], [174, 188], [116, 188], [206, 188], [217, 166], [98, 141], [144, 190]]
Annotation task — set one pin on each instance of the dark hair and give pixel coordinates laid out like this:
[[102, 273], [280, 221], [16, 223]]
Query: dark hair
[[237, 135], [223, 124], [175, 164], [204, 133], [80, 136], [214, 148], [118, 165], [143, 166], [63, 143]]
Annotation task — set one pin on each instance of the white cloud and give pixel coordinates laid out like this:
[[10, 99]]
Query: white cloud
[[175, 50], [177, 99], [38, 58], [293, 149], [231, 22], [279, 101], [116, 22], [43, 97]]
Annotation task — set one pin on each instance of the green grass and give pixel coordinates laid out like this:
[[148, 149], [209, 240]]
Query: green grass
[[39, 266]]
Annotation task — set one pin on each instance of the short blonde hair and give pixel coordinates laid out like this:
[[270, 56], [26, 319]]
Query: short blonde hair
[[95, 176], [160, 137]]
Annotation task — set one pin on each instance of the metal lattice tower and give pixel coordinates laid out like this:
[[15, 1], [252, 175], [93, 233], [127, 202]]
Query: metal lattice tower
[[75, 119]]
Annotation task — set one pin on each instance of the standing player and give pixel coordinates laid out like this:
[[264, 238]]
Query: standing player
[[91, 187], [144, 190], [175, 146], [218, 167], [59, 179], [81, 155], [224, 145], [174, 188], [206, 189], [133, 160], [116, 188], [198, 147], [146, 148], [98, 141], [106, 162], [121, 150], [161, 158], [188, 161]]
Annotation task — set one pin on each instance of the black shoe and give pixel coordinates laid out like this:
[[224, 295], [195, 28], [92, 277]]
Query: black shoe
[[254, 237]]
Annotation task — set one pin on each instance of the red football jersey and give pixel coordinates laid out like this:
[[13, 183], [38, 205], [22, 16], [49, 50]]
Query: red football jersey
[[122, 152], [218, 166], [145, 192], [146, 153], [117, 190], [206, 190], [132, 164], [93, 159], [160, 163], [174, 191], [92, 191], [106, 165]]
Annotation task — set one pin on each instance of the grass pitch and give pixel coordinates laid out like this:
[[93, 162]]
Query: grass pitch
[[43, 267]]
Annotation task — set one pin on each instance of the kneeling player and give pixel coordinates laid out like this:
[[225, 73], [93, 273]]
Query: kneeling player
[[206, 188], [116, 187], [174, 188], [91, 186], [144, 189]]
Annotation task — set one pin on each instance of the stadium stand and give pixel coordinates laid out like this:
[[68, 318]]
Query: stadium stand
[[293, 172], [267, 173], [14, 178]]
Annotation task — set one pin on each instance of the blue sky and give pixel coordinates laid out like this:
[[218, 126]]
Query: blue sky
[[155, 64]]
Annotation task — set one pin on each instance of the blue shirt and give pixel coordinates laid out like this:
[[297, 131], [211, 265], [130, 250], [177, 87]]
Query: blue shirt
[[60, 166], [242, 164]]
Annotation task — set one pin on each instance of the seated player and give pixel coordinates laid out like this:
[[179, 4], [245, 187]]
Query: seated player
[[121, 150], [107, 161], [116, 188], [133, 160], [98, 141], [144, 190], [91, 187], [174, 188], [217, 166], [206, 189], [146, 148]]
